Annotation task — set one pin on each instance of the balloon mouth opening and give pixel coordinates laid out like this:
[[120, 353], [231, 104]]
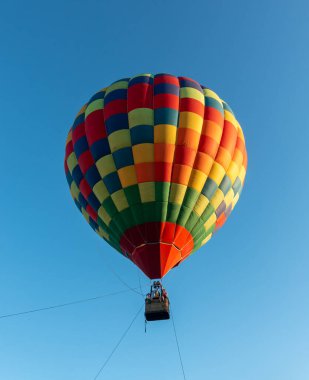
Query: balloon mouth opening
[[157, 247]]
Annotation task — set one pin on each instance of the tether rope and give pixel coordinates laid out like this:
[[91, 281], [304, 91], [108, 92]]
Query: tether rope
[[179, 354], [118, 343], [62, 304]]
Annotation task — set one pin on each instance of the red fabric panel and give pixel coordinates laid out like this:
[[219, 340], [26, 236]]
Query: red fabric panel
[[85, 161], [163, 171], [114, 107], [140, 95], [95, 127], [192, 105], [78, 132]]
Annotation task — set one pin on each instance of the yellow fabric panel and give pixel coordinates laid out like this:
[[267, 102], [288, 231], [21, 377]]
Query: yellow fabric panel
[[143, 153], [74, 190], [117, 86], [229, 197], [201, 204], [217, 173], [207, 239], [211, 220], [165, 133], [93, 106], [197, 180], [177, 193], [213, 130], [69, 137], [106, 165], [235, 200], [102, 233], [85, 214], [100, 191], [210, 94], [127, 176], [233, 171], [217, 199], [141, 116], [240, 133], [242, 174], [72, 161], [104, 216], [190, 92], [142, 75], [147, 191], [238, 157], [119, 139], [223, 157], [82, 110], [230, 117], [190, 120], [120, 200]]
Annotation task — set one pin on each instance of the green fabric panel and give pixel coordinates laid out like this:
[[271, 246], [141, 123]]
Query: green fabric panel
[[119, 223], [172, 212], [109, 207], [190, 198], [150, 212], [138, 213], [161, 211], [162, 190], [207, 213], [192, 221], [183, 215], [132, 194]]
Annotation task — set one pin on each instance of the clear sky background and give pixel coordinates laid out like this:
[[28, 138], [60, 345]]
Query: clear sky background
[[241, 303]]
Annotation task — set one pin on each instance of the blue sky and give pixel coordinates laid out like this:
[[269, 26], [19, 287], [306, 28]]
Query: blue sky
[[241, 303]]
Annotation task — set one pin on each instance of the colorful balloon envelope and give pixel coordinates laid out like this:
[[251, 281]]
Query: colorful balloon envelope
[[156, 164]]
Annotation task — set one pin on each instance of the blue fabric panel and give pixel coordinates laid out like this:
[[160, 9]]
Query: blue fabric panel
[[141, 79], [115, 95], [123, 157], [142, 134], [166, 88], [92, 176], [93, 201], [100, 149], [80, 146], [225, 185], [165, 116], [79, 120], [190, 83], [237, 185], [117, 122], [98, 95], [82, 201], [77, 175], [211, 102], [209, 188], [112, 182]]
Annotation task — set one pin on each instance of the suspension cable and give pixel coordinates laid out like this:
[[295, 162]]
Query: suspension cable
[[179, 354], [121, 280], [118, 344], [62, 304]]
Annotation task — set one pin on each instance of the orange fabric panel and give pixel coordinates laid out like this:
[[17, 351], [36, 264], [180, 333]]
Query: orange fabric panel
[[145, 172], [181, 174], [164, 152]]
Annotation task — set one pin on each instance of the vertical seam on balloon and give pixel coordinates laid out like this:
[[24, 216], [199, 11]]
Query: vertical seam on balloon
[[187, 187], [138, 226], [88, 148], [195, 235], [121, 233], [172, 171], [204, 126]]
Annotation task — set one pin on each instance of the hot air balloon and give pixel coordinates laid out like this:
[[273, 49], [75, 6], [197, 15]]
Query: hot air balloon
[[156, 164]]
